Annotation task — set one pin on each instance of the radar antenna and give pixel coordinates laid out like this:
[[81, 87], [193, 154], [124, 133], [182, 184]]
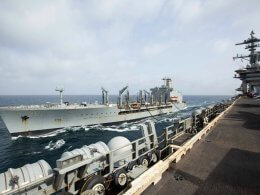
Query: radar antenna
[[60, 90], [251, 45]]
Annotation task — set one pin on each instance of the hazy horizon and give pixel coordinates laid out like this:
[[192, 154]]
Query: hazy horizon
[[109, 94]]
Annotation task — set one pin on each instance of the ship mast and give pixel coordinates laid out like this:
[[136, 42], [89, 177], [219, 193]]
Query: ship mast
[[251, 46]]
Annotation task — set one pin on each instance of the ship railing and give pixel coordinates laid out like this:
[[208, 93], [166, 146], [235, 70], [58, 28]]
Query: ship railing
[[140, 147], [172, 132]]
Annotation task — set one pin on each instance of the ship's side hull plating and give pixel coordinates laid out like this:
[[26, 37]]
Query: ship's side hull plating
[[26, 122]]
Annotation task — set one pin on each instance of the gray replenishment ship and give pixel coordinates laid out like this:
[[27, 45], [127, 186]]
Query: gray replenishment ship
[[40, 119]]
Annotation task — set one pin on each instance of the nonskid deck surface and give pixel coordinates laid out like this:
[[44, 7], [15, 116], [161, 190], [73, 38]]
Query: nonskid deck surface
[[224, 162]]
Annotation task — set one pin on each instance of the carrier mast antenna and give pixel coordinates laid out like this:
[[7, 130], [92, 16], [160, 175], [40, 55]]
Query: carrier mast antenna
[[251, 45]]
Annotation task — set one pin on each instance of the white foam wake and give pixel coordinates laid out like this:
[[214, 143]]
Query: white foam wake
[[51, 134], [130, 128], [15, 138], [54, 145], [126, 126]]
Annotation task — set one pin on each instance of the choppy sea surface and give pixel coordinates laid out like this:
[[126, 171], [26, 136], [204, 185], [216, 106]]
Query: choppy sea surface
[[18, 151]]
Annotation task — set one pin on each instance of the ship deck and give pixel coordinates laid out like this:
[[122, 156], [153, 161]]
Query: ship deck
[[226, 161]]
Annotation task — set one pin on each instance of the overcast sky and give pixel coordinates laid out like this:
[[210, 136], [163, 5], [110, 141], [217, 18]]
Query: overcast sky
[[83, 45]]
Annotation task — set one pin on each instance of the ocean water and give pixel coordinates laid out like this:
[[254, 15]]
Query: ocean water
[[18, 151]]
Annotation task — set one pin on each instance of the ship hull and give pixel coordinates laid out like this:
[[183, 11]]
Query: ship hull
[[46, 131], [31, 122]]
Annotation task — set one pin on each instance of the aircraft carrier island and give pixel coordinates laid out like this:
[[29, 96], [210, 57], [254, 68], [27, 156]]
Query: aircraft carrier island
[[215, 150]]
